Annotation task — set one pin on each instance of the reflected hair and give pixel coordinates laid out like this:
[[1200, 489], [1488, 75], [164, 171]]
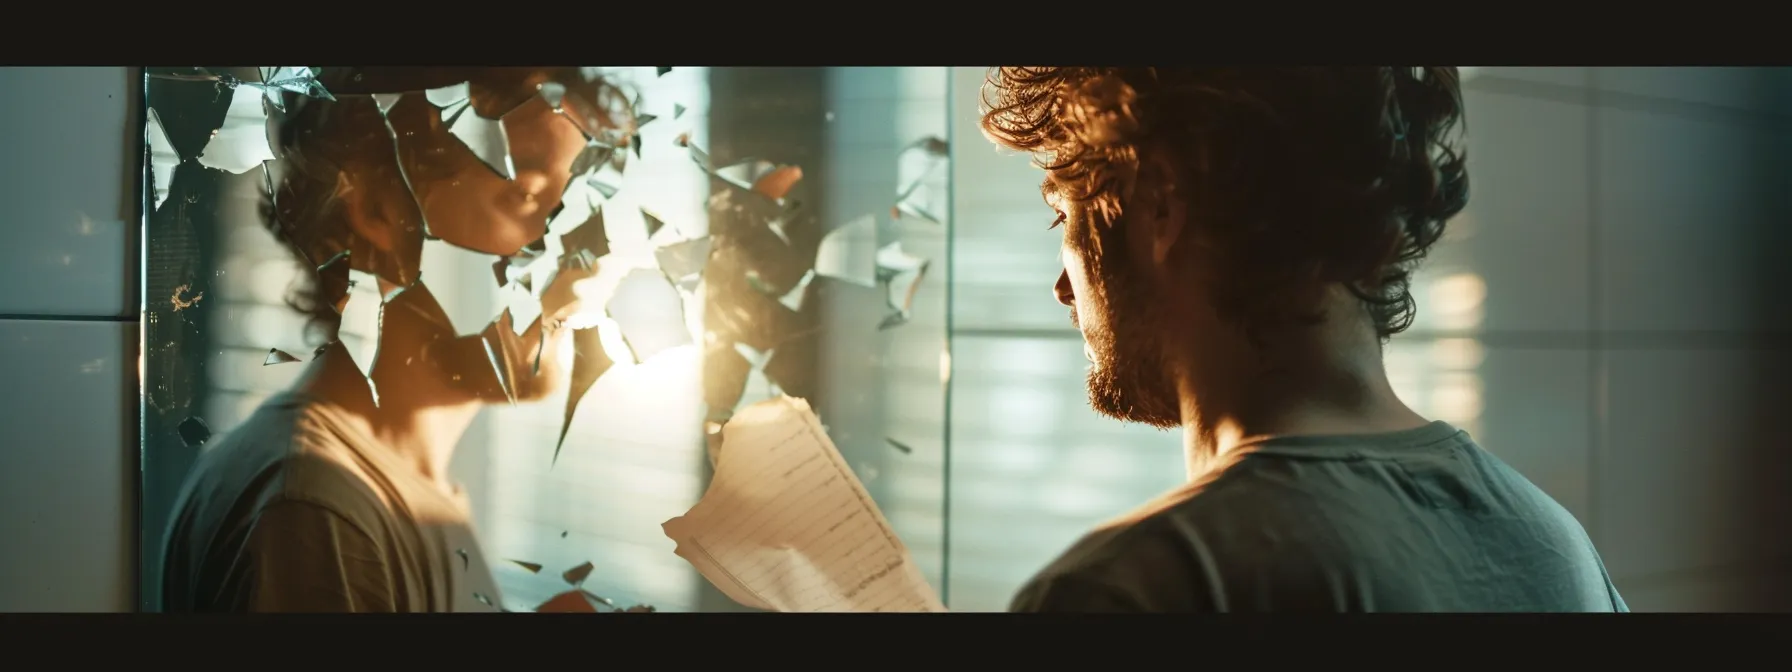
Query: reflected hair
[[1296, 178], [329, 147]]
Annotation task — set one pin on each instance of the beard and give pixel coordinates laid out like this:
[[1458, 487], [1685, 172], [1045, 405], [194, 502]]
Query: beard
[[1130, 379]]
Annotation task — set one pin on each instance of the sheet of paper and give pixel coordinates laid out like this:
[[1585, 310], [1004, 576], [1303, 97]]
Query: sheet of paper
[[786, 526]]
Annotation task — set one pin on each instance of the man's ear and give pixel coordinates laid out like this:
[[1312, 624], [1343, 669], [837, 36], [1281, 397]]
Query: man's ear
[[1163, 209]]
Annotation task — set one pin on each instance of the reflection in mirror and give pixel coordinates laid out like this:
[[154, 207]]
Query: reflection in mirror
[[501, 316]]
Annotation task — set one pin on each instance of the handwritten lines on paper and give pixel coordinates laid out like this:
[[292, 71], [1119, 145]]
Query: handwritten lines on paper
[[786, 525]]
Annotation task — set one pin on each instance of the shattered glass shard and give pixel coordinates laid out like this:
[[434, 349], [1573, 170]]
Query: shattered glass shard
[[577, 575], [242, 142], [454, 94], [162, 157], [190, 112], [522, 305], [569, 602], [589, 363], [910, 209], [531, 567], [360, 330], [603, 186], [849, 252], [594, 155], [590, 237], [901, 274], [920, 166], [387, 101], [559, 298], [553, 93], [746, 174], [654, 224], [775, 184], [650, 313], [683, 259], [278, 356], [497, 347], [501, 270], [398, 259], [487, 140], [442, 262], [333, 280]]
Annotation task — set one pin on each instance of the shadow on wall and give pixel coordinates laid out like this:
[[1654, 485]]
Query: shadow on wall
[[1768, 456]]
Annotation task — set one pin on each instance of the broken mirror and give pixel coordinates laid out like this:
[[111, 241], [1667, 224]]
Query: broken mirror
[[580, 272]]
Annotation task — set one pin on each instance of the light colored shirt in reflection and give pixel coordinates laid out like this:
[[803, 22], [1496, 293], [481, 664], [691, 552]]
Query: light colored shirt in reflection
[[297, 511]]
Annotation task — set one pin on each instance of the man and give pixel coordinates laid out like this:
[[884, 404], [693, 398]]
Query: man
[[1237, 248], [335, 495]]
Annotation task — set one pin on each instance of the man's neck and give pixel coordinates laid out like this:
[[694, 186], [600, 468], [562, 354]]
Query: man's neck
[[1298, 392], [417, 427]]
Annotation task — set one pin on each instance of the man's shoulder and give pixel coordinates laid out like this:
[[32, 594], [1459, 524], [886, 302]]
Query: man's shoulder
[[281, 454], [1162, 556]]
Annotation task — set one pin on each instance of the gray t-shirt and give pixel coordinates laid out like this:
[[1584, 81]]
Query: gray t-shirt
[[1421, 520], [297, 511]]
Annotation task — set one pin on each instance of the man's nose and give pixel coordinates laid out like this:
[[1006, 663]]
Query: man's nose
[[1066, 295]]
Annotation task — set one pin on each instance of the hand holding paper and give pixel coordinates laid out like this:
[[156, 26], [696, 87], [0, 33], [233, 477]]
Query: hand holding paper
[[786, 526]]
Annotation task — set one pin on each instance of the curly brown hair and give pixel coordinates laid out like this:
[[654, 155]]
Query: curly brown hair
[[1298, 177], [326, 145]]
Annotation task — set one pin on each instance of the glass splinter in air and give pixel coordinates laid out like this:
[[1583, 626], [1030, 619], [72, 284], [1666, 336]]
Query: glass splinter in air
[[900, 275], [588, 364], [921, 162], [242, 142], [531, 567], [569, 602], [278, 356], [277, 80], [654, 224], [162, 158], [767, 182], [684, 260], [849, 252], [898, 445], [577, 575], [650, 313], [360, 331]]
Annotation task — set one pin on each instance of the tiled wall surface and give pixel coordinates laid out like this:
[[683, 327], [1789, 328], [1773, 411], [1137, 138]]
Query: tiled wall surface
[[68, 250], [1601, 318]]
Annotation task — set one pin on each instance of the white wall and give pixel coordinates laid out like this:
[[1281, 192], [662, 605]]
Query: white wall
[[1601, 317], [68, 258]]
